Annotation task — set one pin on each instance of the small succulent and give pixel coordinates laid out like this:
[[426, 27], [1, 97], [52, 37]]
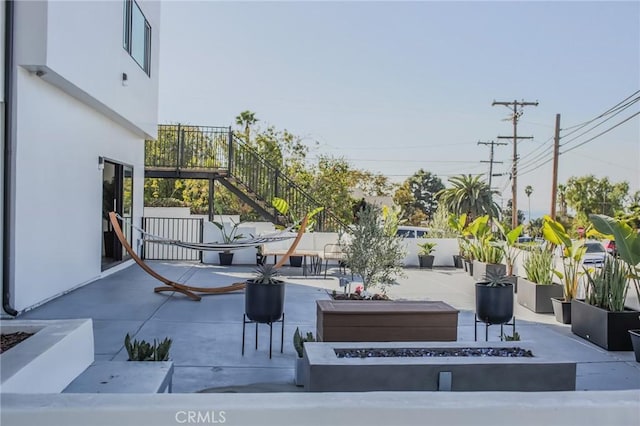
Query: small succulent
[[299, 340], [495, 279], [144, 351], [266, 274]]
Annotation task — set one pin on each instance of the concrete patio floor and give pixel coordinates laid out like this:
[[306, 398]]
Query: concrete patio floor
[[207, 335]]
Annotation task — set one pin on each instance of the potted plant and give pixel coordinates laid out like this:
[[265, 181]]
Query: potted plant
[[282, 207], [264, 295], [537, 289], [488, 256], [298, 343], [425, 258], [572, 254], [602, 317], [457, 224], [144, 351], [508, 246], [374, 251], [494, 299], [226, 256]]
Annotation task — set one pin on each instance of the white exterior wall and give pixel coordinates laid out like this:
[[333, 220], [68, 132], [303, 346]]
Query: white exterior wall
[[79, 48], [77, 111]]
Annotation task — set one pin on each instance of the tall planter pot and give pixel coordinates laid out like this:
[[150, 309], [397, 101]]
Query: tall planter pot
[[264, 303], [494, 305], [635, 342], [537, 297], [295, 261], [457, 261], [226, 259], [300, 372], [562, 310], [609, 330], [469, 269], [426, 261]]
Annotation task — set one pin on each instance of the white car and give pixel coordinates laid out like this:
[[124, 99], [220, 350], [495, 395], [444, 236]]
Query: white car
[[595, 254]]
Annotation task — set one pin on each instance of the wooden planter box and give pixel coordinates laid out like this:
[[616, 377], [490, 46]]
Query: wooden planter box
[[385, 321], [537, 297], [609, 330]]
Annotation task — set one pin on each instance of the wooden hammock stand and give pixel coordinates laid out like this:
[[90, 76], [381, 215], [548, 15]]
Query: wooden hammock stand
[[187, 290]]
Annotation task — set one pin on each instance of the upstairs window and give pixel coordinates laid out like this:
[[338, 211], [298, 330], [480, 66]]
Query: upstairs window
[[137, 35]]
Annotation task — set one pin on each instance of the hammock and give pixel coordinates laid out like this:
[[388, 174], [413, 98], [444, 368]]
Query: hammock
[[215, 246], [187, 290]]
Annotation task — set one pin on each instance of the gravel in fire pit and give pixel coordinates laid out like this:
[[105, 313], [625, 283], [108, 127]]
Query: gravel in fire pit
[[7, 341], [432, 352]]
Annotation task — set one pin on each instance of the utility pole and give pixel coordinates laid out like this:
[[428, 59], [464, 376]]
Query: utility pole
[[491, 160], [514, 174], [554, 179]]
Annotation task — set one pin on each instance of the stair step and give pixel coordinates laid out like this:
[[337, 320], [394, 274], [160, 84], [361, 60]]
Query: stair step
[[124, 377]]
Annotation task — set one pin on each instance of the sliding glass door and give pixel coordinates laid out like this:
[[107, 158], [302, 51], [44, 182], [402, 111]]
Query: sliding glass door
[[117, 196]]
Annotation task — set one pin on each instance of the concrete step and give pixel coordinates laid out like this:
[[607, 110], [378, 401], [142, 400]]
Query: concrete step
[[124, 377]]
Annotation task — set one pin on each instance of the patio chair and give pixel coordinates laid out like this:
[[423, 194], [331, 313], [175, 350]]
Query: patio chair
[[333, 252], [187, 290]]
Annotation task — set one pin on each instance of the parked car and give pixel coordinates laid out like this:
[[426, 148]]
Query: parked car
[[412, 232], [610, 247], [595, 254]]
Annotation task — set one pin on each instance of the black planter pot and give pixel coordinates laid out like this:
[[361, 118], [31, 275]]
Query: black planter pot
[[426, 261], [609, 330], [635, 342], [264, 303], [537, 297], [469, 268], [465, 265], [562, 310], [109, 241], [494, 305], [295, 261], [226, 259], [457, 261]]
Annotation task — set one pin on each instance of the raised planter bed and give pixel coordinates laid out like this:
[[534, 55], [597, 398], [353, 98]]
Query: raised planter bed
[[609, 330], [327, 372], [537, 297], [48, 361], [385, 321]]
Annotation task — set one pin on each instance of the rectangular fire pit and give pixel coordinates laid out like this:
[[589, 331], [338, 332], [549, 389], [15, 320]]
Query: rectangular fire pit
[[326, 372], [385, 321]]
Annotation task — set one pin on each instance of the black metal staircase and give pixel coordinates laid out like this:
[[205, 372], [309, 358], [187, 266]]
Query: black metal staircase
[[215, 153]]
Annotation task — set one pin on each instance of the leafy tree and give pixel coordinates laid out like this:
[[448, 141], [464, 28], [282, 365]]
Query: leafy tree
[[589, 195], [469, 194], [246, 119], [416, 197], [372, 184]]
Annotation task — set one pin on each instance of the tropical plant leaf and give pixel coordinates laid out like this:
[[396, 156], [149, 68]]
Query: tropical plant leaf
[[554, 232], [280, 205], [627, 240]]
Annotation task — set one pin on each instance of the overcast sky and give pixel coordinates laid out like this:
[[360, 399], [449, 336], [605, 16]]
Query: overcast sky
[[394, 87]]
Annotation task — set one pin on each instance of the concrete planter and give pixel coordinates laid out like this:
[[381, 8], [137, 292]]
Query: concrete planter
[[480, 269], [50, 359], [561, 310], [635, 342], [299, 372], [426, 261], [609, 330], [537, 297], [385, 321], [543, 372]]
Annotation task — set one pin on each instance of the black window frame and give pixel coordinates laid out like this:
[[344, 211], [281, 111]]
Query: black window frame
[[127, 42]]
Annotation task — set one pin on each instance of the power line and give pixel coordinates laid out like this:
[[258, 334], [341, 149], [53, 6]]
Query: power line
[[601, 133], [601, 115]]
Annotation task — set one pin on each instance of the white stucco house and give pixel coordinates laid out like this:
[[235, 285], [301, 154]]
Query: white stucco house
[[79, 97]]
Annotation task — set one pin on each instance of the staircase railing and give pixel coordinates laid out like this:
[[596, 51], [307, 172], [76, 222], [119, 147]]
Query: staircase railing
[[208, 148], [267, 181]]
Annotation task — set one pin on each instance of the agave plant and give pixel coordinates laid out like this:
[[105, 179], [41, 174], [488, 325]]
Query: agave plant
[[266, 274], [495, 279]]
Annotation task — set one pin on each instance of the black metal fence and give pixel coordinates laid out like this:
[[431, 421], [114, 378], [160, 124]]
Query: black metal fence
[[183, 229]]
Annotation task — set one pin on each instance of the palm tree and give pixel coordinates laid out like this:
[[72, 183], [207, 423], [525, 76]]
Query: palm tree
[[529, 190], [246, 119], [471, 195]]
